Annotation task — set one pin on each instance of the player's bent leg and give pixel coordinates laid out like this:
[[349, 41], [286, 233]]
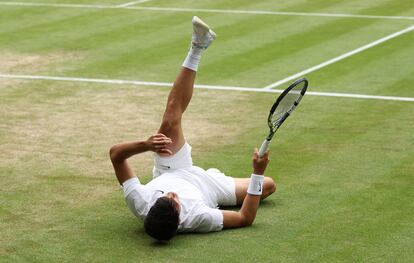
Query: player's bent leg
[[269, 187]]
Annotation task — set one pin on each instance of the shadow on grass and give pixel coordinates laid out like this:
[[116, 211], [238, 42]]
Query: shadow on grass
[[182, 239], [267, 203]]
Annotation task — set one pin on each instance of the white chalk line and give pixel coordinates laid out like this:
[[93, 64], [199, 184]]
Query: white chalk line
[[225, 11], [258, 12], [133, 3], [262, 12], [30, 4], [199, 86], [339, 58]]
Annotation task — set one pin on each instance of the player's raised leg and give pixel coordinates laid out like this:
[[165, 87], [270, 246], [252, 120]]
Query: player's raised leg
[[182, 90]]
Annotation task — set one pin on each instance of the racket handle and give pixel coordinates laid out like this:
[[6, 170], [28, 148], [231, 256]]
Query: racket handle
[[263, 148]]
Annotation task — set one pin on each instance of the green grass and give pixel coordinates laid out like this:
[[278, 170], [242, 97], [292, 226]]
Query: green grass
[[344, 167]]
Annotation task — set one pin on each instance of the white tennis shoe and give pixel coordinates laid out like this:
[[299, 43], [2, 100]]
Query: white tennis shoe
[[203, 36]]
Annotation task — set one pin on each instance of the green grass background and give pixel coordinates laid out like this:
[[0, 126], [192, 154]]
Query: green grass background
[[344, 167]]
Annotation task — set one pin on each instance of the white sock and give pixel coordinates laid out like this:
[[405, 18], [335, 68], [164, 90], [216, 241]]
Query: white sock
[[193, 58]]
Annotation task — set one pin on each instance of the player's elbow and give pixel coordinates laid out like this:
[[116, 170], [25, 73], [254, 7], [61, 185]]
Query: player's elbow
[[114, 154], [246, 220]]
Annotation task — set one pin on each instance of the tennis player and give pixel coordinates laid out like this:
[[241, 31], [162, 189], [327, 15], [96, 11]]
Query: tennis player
[[182, 197]]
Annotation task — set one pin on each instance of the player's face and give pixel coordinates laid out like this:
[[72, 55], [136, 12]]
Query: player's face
[[174, 197]]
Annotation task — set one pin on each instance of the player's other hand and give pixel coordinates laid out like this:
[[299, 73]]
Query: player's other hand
[[158, 143], [260, 164]]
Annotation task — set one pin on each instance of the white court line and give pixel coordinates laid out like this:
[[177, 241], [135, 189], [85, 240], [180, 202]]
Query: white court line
[[133, 3], [341, 57], [260, 12], [225, 11], [211, 87], [91, 6]]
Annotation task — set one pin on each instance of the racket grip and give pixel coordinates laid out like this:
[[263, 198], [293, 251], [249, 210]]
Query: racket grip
[[263, 148]]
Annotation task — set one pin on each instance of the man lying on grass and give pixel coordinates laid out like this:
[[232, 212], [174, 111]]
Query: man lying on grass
[[183, 197]]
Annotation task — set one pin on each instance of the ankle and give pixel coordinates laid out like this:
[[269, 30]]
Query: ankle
[[193, 58]]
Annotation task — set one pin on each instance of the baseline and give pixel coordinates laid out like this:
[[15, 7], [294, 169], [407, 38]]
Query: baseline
[[132, 3], [199, 86], [262, 12], [225, 11]]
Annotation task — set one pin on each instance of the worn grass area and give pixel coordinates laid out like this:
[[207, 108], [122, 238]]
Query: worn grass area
[[344, 167]]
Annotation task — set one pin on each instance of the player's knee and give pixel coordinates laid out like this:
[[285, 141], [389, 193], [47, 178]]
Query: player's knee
[[113, 153], [270, 186]]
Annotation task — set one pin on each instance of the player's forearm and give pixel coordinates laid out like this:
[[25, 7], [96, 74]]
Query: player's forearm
[[249, 208], [252, 199], [122, 151]]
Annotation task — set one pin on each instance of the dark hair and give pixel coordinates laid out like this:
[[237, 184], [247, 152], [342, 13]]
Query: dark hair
[[162, 219]]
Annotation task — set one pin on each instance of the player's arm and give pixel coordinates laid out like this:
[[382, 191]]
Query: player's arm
[[247, 213], [119, 153]]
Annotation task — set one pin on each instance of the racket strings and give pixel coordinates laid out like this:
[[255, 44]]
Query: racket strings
[[283, 107], [286, 106]]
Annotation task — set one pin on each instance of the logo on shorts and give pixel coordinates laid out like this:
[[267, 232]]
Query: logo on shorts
[[260, 187]]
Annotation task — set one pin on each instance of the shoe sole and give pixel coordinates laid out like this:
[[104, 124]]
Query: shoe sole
[[197, 22]]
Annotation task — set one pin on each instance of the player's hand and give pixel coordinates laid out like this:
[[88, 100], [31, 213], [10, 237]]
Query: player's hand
[[158, 143], [260, 164]]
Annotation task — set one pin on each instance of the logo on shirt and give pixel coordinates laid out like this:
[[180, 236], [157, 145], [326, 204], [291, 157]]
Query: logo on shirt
[[165, 166], [162, 192]]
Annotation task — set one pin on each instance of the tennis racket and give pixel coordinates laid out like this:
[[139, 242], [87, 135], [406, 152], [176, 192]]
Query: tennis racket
[[282, 108]]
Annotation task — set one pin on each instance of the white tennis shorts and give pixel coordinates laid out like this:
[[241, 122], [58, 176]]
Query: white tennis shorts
[[214, 183]]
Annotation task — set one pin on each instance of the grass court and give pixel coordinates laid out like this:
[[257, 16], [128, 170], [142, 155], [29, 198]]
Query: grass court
[[344, 166]]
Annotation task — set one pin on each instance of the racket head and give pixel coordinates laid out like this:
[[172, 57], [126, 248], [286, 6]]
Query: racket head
[[285, 104]]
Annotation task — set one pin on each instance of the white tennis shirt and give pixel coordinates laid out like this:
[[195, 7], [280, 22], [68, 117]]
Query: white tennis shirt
[[197, 197]]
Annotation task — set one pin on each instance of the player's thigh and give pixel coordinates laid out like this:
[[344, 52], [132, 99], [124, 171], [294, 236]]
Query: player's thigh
[[241, 185]]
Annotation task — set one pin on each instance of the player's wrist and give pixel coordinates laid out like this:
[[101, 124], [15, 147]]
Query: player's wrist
[[258, 171], [145, 145], [256, 184]]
